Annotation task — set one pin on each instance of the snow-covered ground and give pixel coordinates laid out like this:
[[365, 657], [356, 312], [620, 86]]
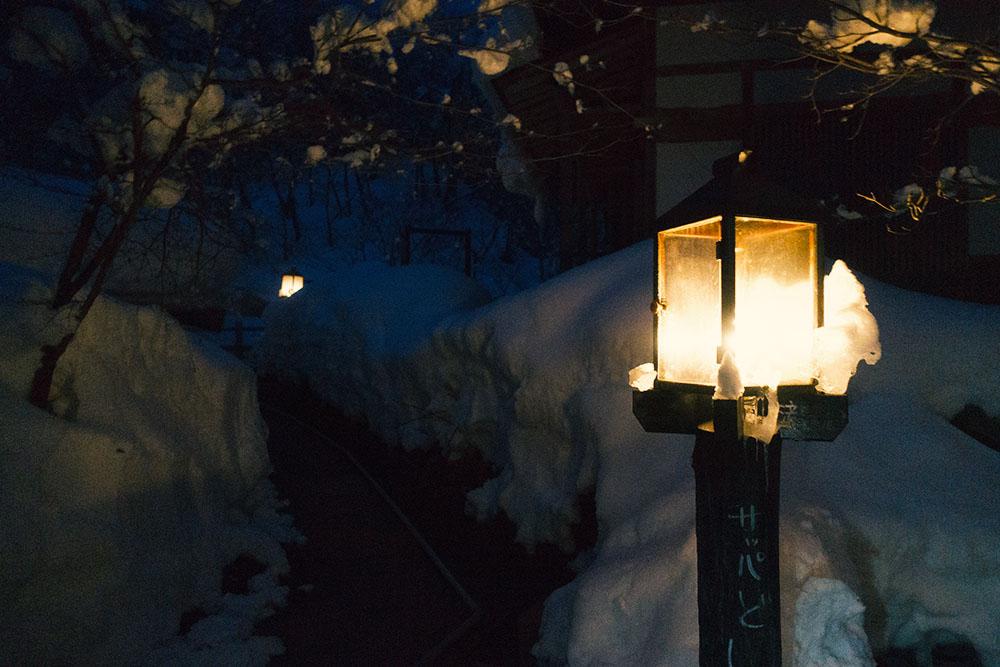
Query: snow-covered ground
[[890, 535], [118, 516]]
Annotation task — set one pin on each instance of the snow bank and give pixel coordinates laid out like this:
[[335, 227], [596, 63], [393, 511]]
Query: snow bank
[[897, 516], [121, 516]]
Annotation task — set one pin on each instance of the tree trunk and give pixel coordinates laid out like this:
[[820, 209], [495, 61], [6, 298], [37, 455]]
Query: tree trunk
[[41, 383], [347, 190], [289, 211], [293, 211], [326, 207], [76, 274], [69, 281], [99, 267]]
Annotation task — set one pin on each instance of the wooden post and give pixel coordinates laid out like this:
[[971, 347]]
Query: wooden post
[[736, 521], [467, 249], [404, 259], [239, 347]]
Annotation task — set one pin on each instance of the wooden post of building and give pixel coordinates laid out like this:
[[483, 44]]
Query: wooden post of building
[[404, 258], [239, 346], [467, 249], [736, 521]]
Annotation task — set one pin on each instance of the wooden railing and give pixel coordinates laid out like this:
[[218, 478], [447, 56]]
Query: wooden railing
[[406, 252]]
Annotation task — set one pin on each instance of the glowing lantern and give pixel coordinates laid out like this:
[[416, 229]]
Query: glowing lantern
[[738, 285], [739, 289], [291, 283]]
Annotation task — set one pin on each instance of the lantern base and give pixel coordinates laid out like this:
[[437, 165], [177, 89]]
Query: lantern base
[[804, 413]]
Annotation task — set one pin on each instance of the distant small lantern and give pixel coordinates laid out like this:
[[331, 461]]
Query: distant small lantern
[[291, 282]]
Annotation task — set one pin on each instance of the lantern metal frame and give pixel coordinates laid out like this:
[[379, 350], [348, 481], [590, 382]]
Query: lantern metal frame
[[738, 190]]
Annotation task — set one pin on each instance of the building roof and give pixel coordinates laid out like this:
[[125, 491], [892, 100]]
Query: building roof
[[742, 189]]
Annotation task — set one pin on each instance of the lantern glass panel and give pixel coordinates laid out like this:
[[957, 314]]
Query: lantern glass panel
[[690, 302], [776, 302]]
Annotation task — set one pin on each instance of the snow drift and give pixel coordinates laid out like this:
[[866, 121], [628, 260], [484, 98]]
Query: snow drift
[[890, 535], [121, 515]]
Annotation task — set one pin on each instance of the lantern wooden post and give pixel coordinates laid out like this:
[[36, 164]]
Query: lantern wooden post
[[736, 522]]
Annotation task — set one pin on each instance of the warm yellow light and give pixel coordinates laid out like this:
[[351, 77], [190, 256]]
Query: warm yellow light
[[290, 284], [775, 302], [774, 332]]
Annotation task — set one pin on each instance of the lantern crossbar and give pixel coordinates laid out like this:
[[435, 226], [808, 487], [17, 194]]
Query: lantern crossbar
[[692, 230], [689, 235], [783, 229], [803, 412]]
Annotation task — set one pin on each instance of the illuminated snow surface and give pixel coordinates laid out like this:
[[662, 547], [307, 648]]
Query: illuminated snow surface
[[898, 516], [120, 517]]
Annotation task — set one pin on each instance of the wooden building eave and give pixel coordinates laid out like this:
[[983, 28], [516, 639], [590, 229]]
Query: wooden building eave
[[613, 85]]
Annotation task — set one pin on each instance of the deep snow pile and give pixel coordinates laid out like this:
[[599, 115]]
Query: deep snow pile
[[121, 516], [890, 535]]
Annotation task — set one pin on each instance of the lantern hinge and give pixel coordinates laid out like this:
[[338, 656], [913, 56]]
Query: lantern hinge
[[755, 406], [718, 249]]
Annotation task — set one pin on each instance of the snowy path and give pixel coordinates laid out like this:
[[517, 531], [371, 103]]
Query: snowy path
[[363, 591]]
